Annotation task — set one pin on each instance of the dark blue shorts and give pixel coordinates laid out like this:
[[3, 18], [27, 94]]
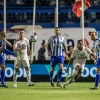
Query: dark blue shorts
[[98, 63], [56, 59], [2, 59]]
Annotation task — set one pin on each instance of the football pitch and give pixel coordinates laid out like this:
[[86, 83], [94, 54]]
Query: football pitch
[[43, 91]]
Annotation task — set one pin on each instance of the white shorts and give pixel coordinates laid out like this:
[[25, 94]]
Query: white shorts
[[18, 63], [76, 64]]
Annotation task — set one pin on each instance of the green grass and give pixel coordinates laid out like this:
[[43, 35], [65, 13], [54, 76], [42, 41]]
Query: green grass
[[43, 91]]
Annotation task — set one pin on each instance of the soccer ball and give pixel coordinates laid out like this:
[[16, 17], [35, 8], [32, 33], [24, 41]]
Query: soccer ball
[[33, 38]]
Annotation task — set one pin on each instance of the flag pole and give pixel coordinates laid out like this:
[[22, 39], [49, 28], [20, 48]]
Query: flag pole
[[56, 14], [4, 15], [83, 20], [33, 43], [5, 21]]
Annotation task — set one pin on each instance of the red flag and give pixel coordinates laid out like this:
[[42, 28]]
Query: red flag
[[77, 7]]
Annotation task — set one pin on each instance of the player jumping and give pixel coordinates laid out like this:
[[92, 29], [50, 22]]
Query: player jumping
[[78, 58], [23, 48]]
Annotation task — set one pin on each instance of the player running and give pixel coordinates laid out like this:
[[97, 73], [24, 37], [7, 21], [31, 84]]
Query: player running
[[3, 42], [96, 46], [23, 48], [56, 48], [78, 58]]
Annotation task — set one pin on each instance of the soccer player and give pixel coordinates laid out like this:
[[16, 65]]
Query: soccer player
[[78, 58], [23, 48], [3, 42], [96, 46], [56, 48]]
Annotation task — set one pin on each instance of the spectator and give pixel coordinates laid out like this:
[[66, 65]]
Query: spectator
[[69, 53], [41, 52]]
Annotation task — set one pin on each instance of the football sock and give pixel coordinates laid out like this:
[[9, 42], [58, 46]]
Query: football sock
[[2, 76], [97, 79], [51, 76], [28, 76], [15, 77], [59, 76]]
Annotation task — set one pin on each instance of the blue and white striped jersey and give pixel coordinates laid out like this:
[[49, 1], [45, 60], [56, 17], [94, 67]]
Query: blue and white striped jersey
[[96, 46], [56, 45], [2, 44]]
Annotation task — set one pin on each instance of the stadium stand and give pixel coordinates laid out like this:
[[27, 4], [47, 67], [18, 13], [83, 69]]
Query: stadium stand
[[45, 13]]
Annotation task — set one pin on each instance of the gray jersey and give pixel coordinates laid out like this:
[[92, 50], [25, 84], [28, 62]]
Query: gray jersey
[[80, 56]]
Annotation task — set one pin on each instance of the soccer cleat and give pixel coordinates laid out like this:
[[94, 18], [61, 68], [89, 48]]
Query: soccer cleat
[[94, 88], [63, 86], [58, 84], [15, 85], [31, 84], [52, 84], [3, 85]]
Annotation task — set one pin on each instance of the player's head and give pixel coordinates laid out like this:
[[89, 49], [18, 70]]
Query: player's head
[[80, 44], [71, 48], [21, 34], [57, 31], [93, 35], [2, 35]]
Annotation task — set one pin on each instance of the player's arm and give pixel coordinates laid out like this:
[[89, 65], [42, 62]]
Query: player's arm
[[7, 42], [15, 48], [91, 53], [29, 51], [65, 48], [69, 63], [49, 47], [71, 60]]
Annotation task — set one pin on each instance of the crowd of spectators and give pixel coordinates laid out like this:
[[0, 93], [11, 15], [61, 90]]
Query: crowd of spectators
[[46, 2]]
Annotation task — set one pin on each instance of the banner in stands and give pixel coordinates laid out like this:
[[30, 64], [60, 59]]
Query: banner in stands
[[71, 36], [44, 70]]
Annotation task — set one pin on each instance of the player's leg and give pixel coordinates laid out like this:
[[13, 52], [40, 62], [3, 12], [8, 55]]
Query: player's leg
[[27, 68], [77, 69], [16, 69], [74, 76], [8, 52], [53, 62], [60, 62], [2, 66], [71, 80], [97, 78]]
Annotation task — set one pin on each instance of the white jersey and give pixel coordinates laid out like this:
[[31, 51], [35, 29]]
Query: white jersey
[[22, 54], [80, 56]]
